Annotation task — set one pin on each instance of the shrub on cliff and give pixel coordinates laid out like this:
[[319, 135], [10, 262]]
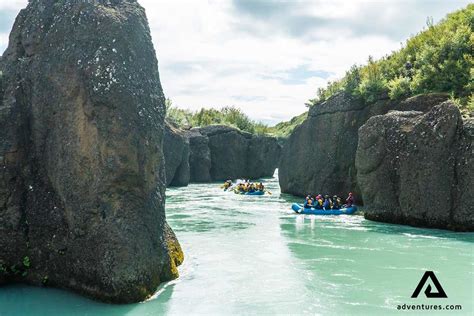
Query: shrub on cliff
[[235, 117], [399, 87], [230, 116], [284, 129]]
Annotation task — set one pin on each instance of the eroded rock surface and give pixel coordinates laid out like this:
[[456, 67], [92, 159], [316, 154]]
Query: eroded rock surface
[[81, 163], [416, 168]]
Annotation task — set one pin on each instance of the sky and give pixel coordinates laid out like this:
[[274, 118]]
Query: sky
[[267, 57]]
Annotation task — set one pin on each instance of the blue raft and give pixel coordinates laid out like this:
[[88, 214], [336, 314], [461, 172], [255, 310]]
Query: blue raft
[[298, 208], [251, 193]]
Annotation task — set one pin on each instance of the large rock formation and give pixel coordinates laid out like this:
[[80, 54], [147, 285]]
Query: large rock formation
[[199, 157], [176, 151], [263, 154], [81, 164], [417, 169], [222, 152], [319, 156], [465, 177], [229, 155]]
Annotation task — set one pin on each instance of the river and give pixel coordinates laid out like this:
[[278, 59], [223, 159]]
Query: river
[[252, 255]]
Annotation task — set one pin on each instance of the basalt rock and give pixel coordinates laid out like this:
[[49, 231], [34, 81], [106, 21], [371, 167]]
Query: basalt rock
[[228, 147], [264, 154], [176, 151], [222, 152], [415, 168], [319, 156], [199, 157], [81, 163], [464, 194]]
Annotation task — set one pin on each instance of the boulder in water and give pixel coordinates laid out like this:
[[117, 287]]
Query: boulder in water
[[416, 169], [81, 163]]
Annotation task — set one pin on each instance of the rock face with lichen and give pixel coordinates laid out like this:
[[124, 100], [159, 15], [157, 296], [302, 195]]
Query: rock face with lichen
[[81, 163], [417, 169], [221, 152]]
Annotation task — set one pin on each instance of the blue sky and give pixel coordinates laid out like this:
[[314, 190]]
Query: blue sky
[[267, 57]]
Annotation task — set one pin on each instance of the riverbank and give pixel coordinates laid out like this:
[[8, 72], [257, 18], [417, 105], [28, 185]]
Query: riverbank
[[254, 255]]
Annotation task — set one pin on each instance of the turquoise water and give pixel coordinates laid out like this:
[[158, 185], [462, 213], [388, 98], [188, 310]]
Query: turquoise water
[[252, 255]]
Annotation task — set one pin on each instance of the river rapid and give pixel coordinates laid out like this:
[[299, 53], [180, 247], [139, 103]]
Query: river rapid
[[253, 255]]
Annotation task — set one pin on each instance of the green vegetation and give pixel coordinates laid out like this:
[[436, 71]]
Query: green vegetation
[[438, 59], [284, 129], [16, 269], [26, 262], [229, 116]]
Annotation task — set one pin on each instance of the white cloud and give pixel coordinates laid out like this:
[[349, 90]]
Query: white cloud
[[216, 53], [3, 40], [12, 4]]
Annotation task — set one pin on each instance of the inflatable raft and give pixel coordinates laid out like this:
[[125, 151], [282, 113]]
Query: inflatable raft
[[251, 193], [298, 208]]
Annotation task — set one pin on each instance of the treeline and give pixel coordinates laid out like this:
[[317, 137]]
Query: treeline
[[230, 116], [438, 59]]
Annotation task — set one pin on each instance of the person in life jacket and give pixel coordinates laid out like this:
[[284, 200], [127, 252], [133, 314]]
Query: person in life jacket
[[349, 200], [327, 202], [308, 202], [319, 202], [336, 202], [252, 188], [227, 184]]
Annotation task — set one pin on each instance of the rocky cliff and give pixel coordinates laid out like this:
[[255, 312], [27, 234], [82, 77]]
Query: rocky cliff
[[199, 157], [417, 169], [176, 151], [319, 155], [222, 152], [81, 164]]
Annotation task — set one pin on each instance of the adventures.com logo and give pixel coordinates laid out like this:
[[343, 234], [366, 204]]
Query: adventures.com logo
[[430, 278]]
